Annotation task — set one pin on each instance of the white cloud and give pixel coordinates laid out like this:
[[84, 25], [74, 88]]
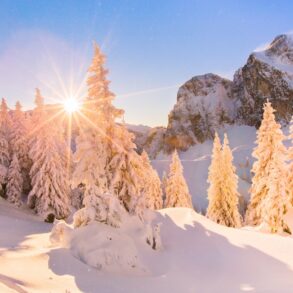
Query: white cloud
[[262, 47]]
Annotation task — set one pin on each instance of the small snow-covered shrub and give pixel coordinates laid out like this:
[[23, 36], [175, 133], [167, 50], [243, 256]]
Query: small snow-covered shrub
[[107, 209], [77, 196], [83, 217], [61, 234], [153, 236]]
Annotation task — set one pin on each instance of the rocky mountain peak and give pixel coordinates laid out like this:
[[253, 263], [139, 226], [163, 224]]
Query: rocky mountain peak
[[202, 85], [282, 47], [206, 102]]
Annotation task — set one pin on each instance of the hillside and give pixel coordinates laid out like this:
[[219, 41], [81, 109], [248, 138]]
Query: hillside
[[197, 256]]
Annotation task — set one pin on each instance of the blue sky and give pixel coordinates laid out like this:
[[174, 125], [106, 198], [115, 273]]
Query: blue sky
[[152, 46]]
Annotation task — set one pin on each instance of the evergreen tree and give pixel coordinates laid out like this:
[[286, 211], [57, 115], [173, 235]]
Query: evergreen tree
[[106, 161], [151, 185], [275, 206], [269, 154], [20, 144], [15, 182], [290, 159], [164, 184], [215, 181], [222, 193], [4, 145], [125, 171], [177, 193], [5, 120], [49, 196], [91, 156]]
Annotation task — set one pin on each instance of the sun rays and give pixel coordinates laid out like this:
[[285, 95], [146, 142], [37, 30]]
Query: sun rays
[[71, 105]]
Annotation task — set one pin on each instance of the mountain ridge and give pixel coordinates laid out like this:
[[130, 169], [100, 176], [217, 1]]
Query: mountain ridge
[[206, 102]]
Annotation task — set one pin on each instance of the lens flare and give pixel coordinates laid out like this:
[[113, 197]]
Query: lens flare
[[71, 105]]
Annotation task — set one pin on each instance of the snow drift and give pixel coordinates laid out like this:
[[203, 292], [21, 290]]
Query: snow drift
[[197, 256]]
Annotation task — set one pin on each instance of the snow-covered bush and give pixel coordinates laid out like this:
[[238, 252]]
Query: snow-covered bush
[[61, 234], [83, 217], [107, 209], [76, 196]]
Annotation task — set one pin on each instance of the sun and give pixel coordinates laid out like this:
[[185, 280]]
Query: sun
[[71, 105]]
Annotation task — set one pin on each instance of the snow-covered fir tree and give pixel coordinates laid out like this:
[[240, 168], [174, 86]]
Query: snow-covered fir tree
[[177, 193], [5, 119], [277, 201], [125, 171], [215, 181], [19, 144], [230, 186], [152, 184], [4, 145], [15, 182], [290, 159], [49, 196], [270, 160], [105, 159], [222, 193]]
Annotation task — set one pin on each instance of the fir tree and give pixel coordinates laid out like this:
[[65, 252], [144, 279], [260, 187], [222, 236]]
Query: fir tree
[[105, 160], [269, 154], [49, 196], [222, 193], [215, 181], [275, 206], [177, 193], [152, 185], [5, 120], [125, 171], [4, 145], [290, 159], [20, 144], [15, 182]]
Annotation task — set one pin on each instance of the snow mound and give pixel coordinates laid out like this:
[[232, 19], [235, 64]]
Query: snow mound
[[198, 256], [107, 248]]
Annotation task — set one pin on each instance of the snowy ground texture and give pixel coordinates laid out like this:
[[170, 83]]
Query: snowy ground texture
[[198, 256]]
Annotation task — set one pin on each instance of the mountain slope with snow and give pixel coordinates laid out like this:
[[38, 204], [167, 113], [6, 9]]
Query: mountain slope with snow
[[206, 102], [197, 256], [268, 74], [197, 158]]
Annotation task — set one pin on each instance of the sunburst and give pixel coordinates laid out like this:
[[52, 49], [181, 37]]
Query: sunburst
[[71, 105]]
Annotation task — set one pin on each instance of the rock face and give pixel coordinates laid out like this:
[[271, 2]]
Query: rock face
[[152, 140], [266, 75], [205, 102]]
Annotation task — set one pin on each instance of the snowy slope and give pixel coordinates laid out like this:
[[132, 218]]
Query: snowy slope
[[198, 256], [197, 158], [279, 54]]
